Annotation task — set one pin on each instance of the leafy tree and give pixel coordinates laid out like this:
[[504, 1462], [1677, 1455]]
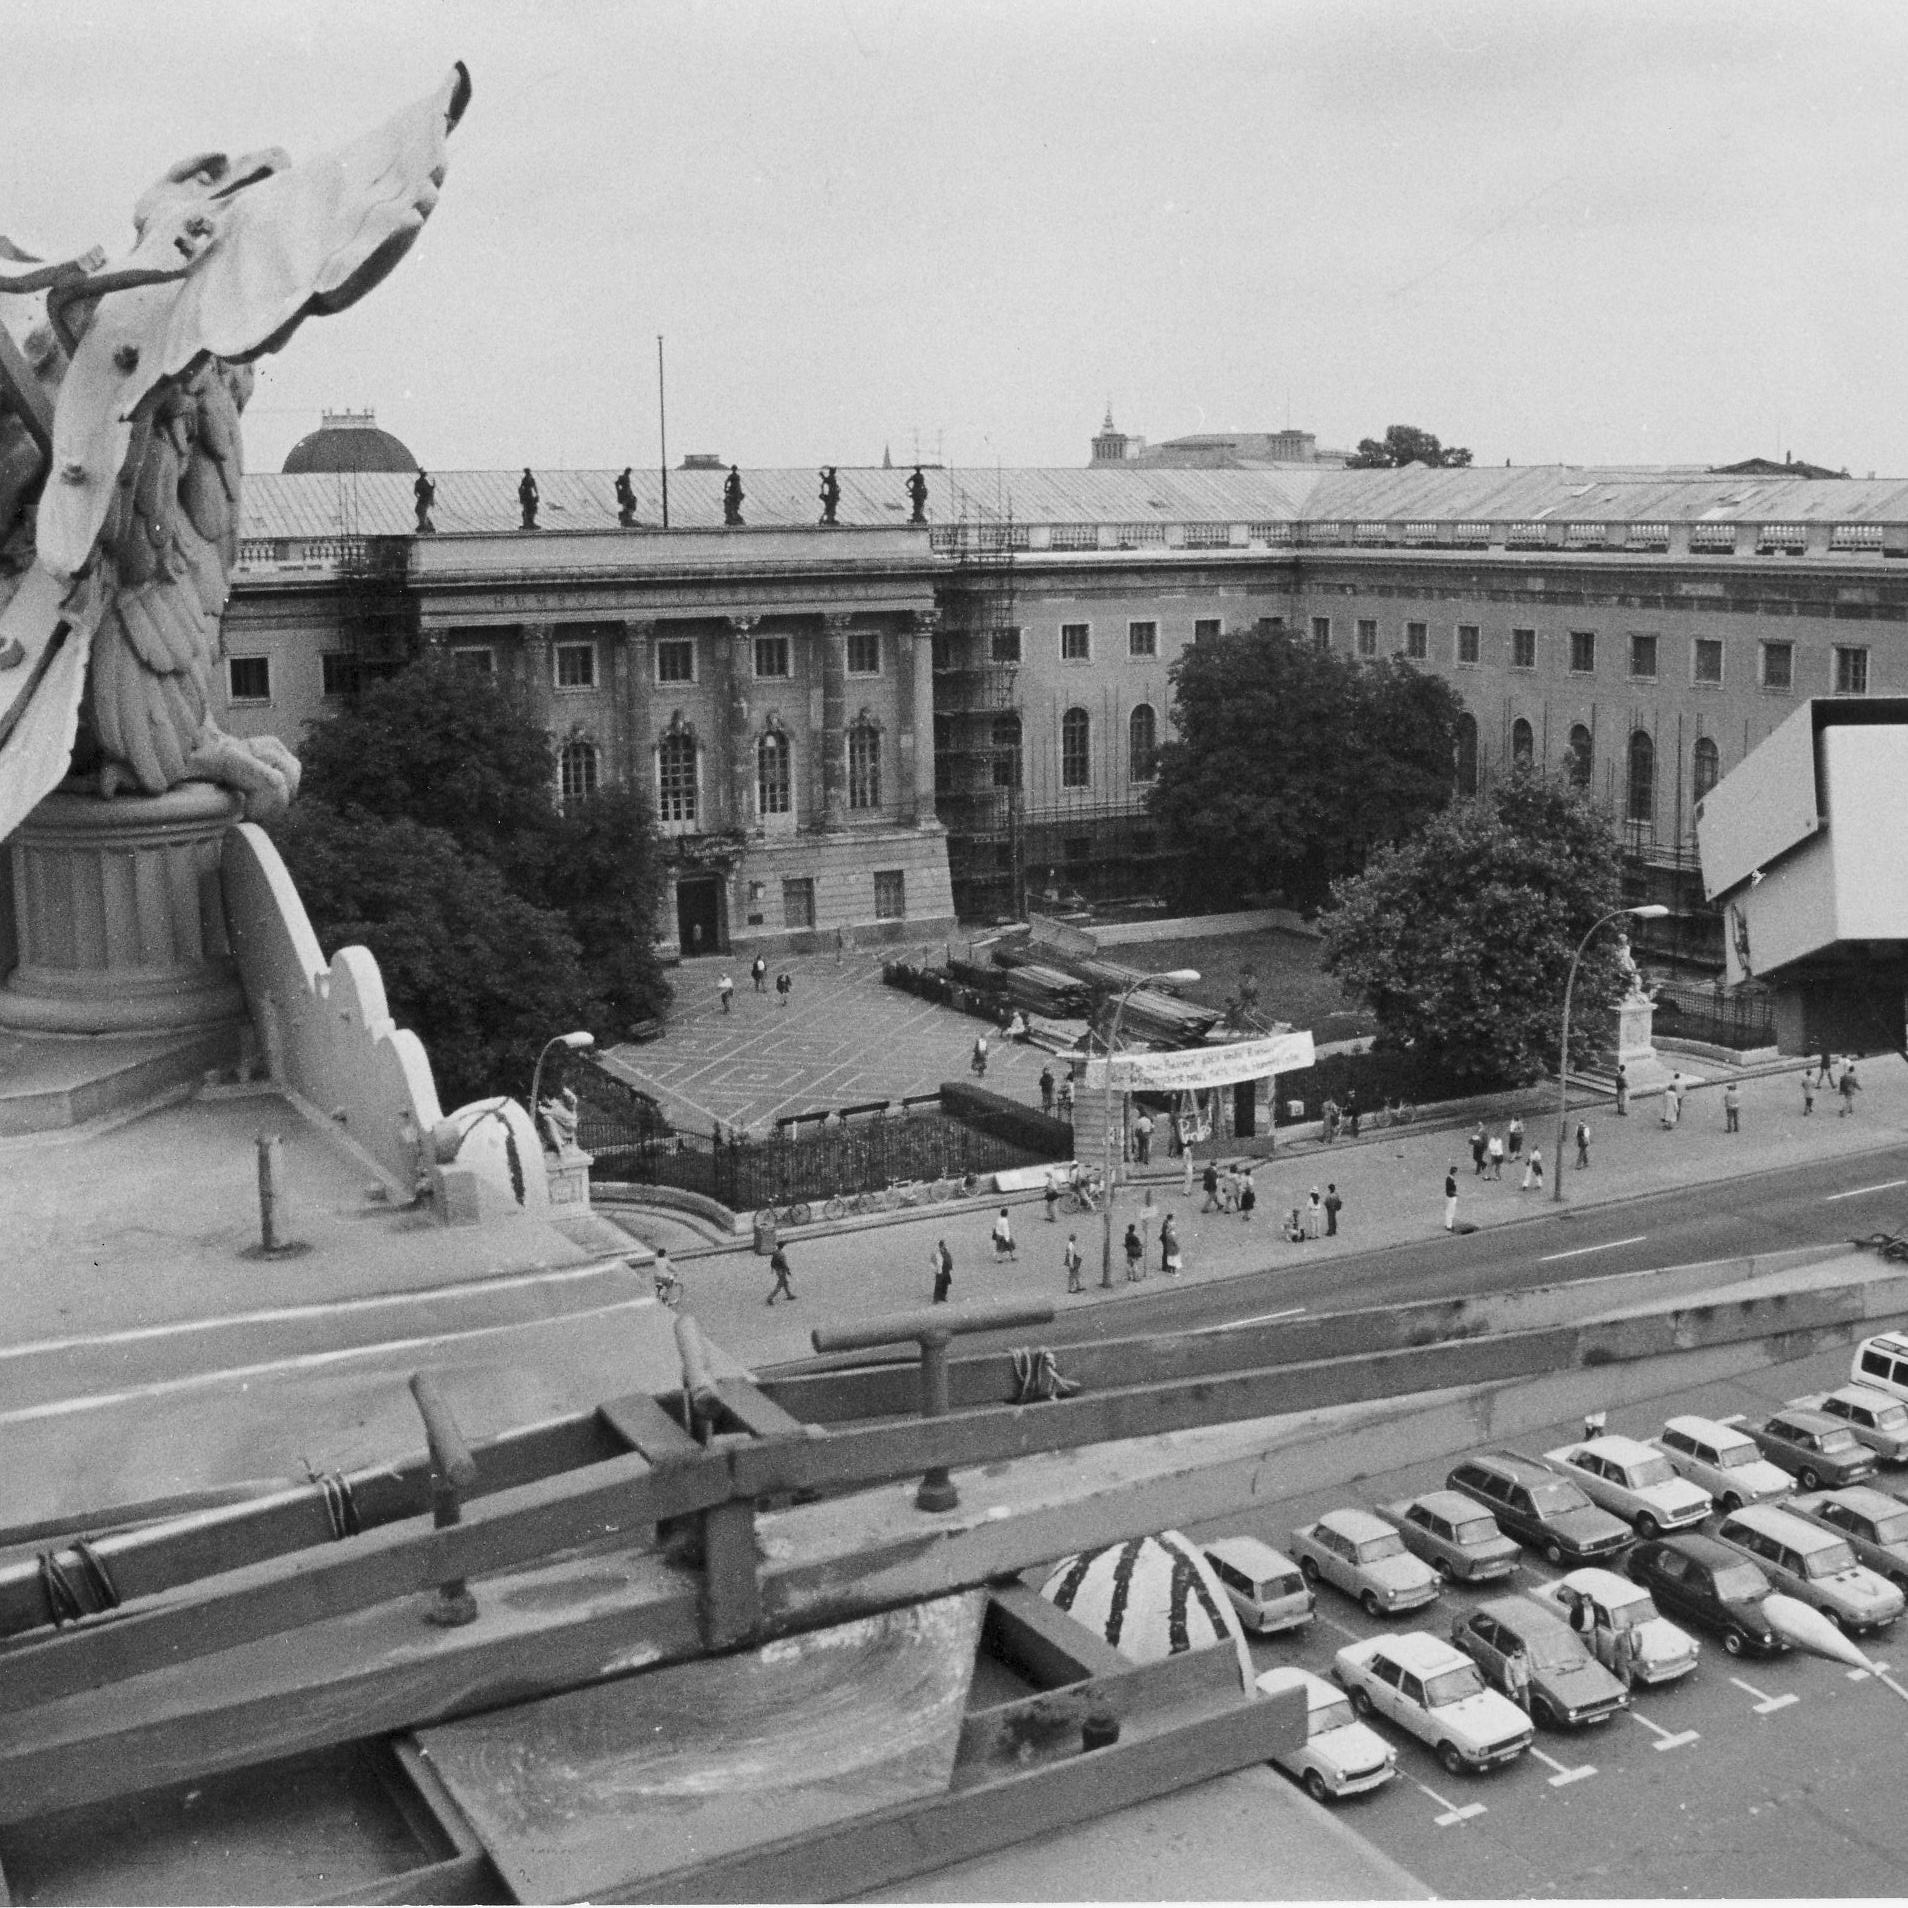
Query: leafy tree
[[1460, 938], [1405, 444], [1290, 763]]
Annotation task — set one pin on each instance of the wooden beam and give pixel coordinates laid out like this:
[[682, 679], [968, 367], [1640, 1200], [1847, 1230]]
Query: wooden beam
[[757, 1413], [648, 1429], [1041, 1641]]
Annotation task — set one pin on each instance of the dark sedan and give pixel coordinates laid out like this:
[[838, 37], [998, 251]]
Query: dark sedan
[[1819, 1452], [1708, 1583]]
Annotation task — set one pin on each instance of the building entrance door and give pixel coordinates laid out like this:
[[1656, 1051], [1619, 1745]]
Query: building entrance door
[[699, 914], [1245, 1109]]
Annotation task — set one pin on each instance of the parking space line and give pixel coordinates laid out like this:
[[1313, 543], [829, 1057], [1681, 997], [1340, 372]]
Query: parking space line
[[1453, 1814], [1887, 1185], [1765, 1705], [1665, 1738], [1564, 1777], [1332, 1623], [1608, 1246], [1862, 1675]]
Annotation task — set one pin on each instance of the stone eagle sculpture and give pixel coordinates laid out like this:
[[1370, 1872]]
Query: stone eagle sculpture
[[121, 384]]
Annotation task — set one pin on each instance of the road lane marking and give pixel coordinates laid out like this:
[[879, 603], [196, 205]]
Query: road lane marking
[[1452, 1812], [1564, 1776], [1667, 1740], [1262, 1318], [1887, 1185], [1579, 1251], [1765, 1704]]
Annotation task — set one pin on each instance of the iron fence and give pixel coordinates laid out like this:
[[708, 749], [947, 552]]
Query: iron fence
[[1740, 1017]]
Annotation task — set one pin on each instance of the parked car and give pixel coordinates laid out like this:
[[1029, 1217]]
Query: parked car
[[1363, 1556], [1453, 1535], [1435, 1692], [1537, 1507], [1878, 1420], [1817, 1566], [1568, 1687], [1620, 1622], [1265, 1585], [1875, 1524], [1636, 1481], [1881, 1363], [1701, 1581], [1340, 1755], [1724, 1460], [1818, 1452]]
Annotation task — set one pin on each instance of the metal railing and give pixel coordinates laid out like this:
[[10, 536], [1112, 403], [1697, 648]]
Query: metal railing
[[1740, 1018]]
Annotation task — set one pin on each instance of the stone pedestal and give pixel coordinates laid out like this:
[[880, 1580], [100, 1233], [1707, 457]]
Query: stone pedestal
[[569, 1175], [1636, 1050], [119, 915]]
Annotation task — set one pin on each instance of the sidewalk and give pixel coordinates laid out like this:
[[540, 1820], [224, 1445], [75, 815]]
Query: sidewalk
[[1392, 1184]]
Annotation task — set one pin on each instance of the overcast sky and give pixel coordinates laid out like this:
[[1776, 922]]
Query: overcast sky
[[1579, 232]]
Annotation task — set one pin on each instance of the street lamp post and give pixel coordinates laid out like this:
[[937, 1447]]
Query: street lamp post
[[1650, 911], [1180, 977], [575, 1042]]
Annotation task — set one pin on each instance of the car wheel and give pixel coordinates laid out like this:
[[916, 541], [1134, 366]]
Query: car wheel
[[1361, 1703], [1647, 1527], [1838, 1619], [1807, 1479], [1543, 1715], [1735, 1642], [1309, 1571], [1731, 1502], [1444, 1568], [1553, 1552], [1315, 1786], [1372, 1607], [1448, 1755]]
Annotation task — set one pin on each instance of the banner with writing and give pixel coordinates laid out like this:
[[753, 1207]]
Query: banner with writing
[[1186, 1068]]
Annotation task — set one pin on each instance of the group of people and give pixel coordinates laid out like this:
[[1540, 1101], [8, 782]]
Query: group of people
[[1056, 1101], [1491, 1151], [758, 973]]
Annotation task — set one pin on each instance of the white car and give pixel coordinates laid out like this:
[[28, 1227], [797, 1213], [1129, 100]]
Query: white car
[[1436, 1693], [1340, 1755], [1724, 1459], [1265, 1585], [1362, 1555], [1635, 1480], [1622, 1625]]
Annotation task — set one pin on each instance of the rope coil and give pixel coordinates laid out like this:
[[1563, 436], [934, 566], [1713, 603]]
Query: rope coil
[[1037, 1377], [76, 1584]]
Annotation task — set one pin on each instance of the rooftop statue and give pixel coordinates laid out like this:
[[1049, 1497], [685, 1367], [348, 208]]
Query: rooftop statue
[[122, 381]]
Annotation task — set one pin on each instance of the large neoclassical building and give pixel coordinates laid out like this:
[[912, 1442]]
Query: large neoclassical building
[[877, 724]]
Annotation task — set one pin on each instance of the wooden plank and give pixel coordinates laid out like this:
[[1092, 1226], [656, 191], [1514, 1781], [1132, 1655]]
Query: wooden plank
[[731, 1580], [1044, 1643], [758, 1414], [458, 1878], [648, 1429]]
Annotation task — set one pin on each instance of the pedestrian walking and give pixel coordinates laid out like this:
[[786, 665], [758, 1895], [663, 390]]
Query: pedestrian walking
[[1583, 1144], [1534, 1170], [1333, 1207], [1064, 1099], [1672, 1107], [778, 1264], [1046, 1090], [1497, 1155], [1450, 1196], [1188, 1157], [1328, 1121], [1480, 1144], [1247, 1197], [1072, 1258], [942, 1260], [1004, 1238], [1314, 1215], [1808, 1094], [1135, 1256], [1052, 1196], [1827, 1080], [725, 992], [1210, 1180], [1516, 1139], [1732, 1109], [1169, 1247], [1848, 1089], [978, 1058], [758, 972], [1517, 1678], [784, 986], [1622, 1092], [1143, 1137], [1351, 1113]]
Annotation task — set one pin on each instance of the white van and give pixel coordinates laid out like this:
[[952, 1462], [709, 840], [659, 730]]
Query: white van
[[1881, 1363], [1264, 1584]]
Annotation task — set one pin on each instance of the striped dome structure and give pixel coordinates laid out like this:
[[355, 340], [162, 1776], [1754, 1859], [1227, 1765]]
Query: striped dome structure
[[1150, 1597]]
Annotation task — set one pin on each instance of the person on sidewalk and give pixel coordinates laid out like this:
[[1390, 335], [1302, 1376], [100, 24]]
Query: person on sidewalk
[[1450, 1195], [1052, 1196], [1583, 1144], [1496, 1152], [1672, 1106], [978, 1059], [1169, 1247], [784, 987], [1333, 1207], [1328, 1121], [1516, 1146], [1828, 1070], [1073, 1258], [1064, 1099], [1135, 1256], [1143, 1137], [1808, 1094], [1314, 1216], [1848, 1089], [758, 973], [1247, 1197], [1186, 1153], [942, 1260], [1534, 1170], [1622, 1092], [1004, 1238], [1351, 1112], [1210, 1180], [1046, 1091], [1732, 1109], [1480, 1145], [1294, 1228], [778, 1264], [725, 992]]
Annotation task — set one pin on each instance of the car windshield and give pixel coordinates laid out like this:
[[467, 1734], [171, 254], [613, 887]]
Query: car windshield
[[1555, 1652], [1376, 1549], [1553, 1499], [1646, 1471], [1741, 1583], [1452, 1686], [1480, 1530], [1332, 1716], [1892, 1530], [1831, 1560]]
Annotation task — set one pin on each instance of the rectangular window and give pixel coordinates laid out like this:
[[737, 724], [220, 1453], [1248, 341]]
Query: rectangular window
[[864, 766], [1076, 642], [1643, 658], [1851, 672], [864, 652], [1322, 632], [1142, 639], [1583, 652], [1205, 628], [891, 894], [1417, 641], [1523, 649], [676, 660], [1367, 636], [771, 656], [340, 672], [798, 902], [1074, 732], [1003, 644], [1778, 665], [1467, 647], [576, 665], [249, 678], [1706, 659], [476, 660]]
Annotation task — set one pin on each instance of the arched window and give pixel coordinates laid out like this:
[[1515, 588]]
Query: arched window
[[1708, 767], [1075, 728], [1582, 757], [771, 774], [676, 778], [864, 766], [1642, 801], [1467, 754], [576, 770], [1006, 737], [1523, 743], [1142, 736]]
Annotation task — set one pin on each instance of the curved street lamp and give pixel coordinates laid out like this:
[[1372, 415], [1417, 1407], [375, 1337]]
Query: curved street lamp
[[1649, 911], [576, 1043], [1180, 977]]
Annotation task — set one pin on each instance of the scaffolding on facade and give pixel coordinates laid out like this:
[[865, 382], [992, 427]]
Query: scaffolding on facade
[[377, 612]]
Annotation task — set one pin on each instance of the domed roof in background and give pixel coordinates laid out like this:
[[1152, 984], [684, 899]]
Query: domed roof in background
[[1150, 1597], [348, 440]]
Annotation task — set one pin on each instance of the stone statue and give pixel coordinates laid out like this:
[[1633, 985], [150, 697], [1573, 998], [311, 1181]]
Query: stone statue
[[121, 384], [560, 1121], [917, 496], [529, 496], [830, 494], [625, 500], [1626, 966], [426, 494], [732, 498]]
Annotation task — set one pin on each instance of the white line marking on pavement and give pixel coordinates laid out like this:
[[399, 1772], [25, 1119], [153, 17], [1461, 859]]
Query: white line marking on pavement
[[1564, 1776], [1765, 1704], [1887, 1185], [1262, 1318], [1332, 1623], [1452, 1812], [1666, 1739], [1609, 1246]]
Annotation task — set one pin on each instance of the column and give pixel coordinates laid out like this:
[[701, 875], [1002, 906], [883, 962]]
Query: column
[[636, 693], [834, 735], [736, 741], [536, 666], [922, 652]]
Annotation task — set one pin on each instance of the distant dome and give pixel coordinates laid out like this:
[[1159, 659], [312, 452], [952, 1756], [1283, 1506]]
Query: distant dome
[[348, 440]]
